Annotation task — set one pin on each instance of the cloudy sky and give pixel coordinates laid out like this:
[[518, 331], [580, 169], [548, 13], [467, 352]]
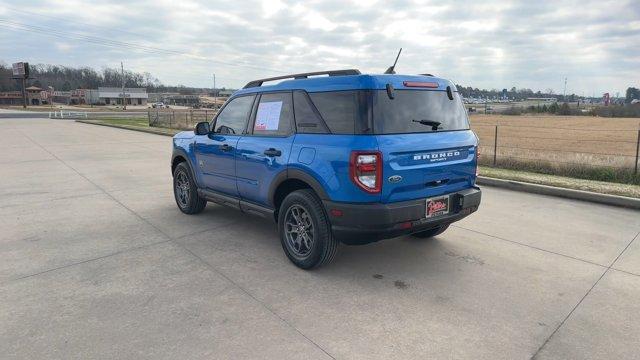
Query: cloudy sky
[[486, 44]]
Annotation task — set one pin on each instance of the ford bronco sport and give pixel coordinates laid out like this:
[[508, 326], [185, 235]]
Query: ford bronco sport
[[344, 157]]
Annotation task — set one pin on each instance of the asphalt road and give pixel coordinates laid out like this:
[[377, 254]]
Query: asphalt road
[[97, 262]]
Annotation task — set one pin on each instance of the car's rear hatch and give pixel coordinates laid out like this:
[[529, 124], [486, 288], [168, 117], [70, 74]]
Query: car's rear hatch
[[426, 146], [426, 165]]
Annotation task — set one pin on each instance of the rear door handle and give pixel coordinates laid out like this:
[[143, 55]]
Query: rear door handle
[[271, 152], [225, 147]]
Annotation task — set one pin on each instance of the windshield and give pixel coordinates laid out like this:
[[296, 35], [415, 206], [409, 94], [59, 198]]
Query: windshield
[[416, 111]]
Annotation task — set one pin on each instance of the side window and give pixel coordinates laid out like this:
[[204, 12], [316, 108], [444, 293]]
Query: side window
[[274, 115], [307, 120], [233, 118], [345, 112]]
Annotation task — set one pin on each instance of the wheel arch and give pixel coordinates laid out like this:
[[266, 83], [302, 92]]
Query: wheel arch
[[180, 156], [291, 180]]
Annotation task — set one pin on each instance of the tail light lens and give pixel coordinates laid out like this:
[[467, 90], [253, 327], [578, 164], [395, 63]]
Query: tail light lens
[[365, 169]]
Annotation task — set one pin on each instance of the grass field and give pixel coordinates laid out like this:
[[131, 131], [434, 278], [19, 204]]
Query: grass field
[[141, 123], [579, 146]]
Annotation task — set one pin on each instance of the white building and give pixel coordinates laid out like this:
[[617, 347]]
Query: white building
[[113, 96]]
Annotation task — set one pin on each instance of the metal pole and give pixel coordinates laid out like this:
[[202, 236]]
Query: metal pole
[[215, 94], [635, 171], [24, 92], [124, 100], [495, 147]]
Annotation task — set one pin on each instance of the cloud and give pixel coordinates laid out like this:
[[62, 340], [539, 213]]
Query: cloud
[[489, 44]]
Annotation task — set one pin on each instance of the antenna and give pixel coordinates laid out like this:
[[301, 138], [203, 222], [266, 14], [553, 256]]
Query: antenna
[[391, 69]]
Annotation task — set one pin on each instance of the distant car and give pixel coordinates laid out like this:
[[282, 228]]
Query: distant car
[[348, 157], [159, 105]]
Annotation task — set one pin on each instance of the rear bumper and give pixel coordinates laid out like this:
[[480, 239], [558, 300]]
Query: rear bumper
[[365, 223]]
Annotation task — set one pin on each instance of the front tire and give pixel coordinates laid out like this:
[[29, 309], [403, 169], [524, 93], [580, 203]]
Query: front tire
[[305, 231], [431, 232], [185, 191]]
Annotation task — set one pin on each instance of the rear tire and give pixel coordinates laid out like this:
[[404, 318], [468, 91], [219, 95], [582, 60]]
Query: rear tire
[[185, 191], [305, 231], [431, 232]]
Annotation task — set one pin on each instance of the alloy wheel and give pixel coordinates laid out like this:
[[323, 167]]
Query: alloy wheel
[[183, 189], [298, 228]]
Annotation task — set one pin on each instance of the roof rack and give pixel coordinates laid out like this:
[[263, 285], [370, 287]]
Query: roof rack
[[256, 83]]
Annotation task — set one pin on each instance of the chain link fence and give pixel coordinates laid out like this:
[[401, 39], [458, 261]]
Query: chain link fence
[[561, 150]]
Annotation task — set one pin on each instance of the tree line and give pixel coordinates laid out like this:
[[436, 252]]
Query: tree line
[[66, 78]]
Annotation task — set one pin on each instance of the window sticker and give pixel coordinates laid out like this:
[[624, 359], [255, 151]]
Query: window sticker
[[268, 116]]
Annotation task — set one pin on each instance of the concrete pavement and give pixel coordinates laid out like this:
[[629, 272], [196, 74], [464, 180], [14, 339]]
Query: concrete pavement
[[97, 262]]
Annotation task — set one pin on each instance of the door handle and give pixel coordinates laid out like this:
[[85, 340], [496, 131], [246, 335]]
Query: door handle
[[225, 147], [271, 152]]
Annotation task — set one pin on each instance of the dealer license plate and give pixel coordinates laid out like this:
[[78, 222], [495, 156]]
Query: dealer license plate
[[437, 206]]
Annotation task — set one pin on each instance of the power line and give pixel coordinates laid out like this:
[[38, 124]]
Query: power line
[[67, 20], [8, 24]]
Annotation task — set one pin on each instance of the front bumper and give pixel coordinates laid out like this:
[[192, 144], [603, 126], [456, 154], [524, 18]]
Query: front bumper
[[365, 223]]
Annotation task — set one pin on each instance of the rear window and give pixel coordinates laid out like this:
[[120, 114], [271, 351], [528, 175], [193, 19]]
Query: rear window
[[344, 112], [403, 113]]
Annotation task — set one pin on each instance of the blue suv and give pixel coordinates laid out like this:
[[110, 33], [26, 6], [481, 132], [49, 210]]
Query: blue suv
[[335, 156]]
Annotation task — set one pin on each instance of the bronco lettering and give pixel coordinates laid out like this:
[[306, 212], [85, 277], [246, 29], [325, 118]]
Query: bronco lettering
[[439, 156]]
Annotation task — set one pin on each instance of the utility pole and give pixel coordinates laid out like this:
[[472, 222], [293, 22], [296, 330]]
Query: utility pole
[[564, 93], [50, 96], [24, 92], [124, 98], [215, 92]]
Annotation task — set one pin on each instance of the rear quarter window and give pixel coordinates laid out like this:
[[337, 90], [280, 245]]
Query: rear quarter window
[[308, 120], [344, 112]]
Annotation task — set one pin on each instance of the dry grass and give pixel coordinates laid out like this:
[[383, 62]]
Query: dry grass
[[590, 147]]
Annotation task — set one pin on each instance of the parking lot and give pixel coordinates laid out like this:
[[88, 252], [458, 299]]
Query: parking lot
[[96, 261]]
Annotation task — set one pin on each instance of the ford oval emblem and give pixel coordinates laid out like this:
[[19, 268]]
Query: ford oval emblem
[[395, 178]]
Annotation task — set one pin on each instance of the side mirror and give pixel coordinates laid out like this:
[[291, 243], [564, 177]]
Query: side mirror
[[202, 128]]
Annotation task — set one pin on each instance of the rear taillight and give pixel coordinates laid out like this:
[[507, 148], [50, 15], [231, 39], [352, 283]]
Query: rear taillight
[[365, 169]]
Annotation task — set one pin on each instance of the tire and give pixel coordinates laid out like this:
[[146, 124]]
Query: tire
[[185, 191], [301, 213], [431, 232]]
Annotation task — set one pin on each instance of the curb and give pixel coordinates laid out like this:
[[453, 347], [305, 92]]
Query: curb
[[614, 200], [148, 131]]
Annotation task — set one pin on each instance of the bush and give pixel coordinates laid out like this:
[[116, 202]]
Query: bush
[[564, 110], [513, 110], [629, 110]]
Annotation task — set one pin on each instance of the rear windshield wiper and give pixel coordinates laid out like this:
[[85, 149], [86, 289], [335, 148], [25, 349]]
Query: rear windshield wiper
[[434, 124]]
